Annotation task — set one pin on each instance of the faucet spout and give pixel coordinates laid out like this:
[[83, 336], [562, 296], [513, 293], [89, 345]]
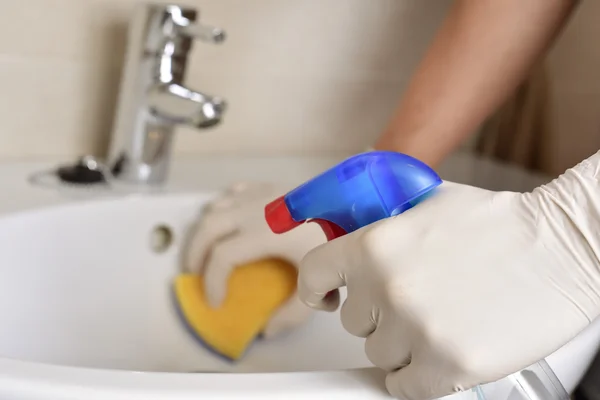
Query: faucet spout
[[179, 105]]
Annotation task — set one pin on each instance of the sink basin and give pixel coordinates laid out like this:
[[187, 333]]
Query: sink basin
[[86, 303], [89, 285]]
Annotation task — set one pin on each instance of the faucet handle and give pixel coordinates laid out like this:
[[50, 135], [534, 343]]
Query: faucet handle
[[205, 33], [194, 30], [170, 29]]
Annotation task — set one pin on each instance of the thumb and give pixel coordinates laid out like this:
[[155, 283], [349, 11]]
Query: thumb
[[224, 258], [205, 234], [414, 383]]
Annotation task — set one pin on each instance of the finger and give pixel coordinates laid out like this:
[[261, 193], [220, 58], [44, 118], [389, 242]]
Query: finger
[[414, 382], [328, 301], [388, 347], [250, 191], [207, 231], [243, 196], [221, 204], [231, 197], [358, 315], [289, 316], [323, 270], [239, 187], [227, 255]]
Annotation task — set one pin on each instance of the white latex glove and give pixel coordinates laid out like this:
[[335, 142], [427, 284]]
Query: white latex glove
[[232, 231], [470, 285]]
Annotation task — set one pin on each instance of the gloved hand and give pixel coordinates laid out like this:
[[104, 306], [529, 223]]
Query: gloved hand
[[470, 285], [232, 231]]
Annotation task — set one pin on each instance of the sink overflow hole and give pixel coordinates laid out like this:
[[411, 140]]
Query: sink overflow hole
[[161, 238]]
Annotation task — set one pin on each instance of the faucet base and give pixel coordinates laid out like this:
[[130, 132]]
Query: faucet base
[[130, 172]]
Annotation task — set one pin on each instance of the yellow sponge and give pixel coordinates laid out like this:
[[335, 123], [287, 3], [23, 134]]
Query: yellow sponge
[[255, 291]]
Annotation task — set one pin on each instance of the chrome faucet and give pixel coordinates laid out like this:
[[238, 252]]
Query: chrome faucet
[[153, 99]]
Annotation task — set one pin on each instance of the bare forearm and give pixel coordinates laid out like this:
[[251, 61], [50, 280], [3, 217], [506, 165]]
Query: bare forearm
[[482, 52]]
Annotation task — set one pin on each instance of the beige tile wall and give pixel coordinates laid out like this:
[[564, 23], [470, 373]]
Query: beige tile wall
[[300, 75]]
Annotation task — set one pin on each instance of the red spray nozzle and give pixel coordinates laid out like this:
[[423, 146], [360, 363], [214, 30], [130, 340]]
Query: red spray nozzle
[[280, 220], [278, 216]]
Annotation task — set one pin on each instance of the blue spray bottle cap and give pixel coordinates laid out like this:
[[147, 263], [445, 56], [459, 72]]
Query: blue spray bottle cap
[[361, 190]]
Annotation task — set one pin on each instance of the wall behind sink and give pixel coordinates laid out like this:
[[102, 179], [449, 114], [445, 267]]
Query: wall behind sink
[[300, 75]]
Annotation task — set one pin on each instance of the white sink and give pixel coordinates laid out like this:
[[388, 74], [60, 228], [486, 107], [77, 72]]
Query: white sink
[[87, 312]]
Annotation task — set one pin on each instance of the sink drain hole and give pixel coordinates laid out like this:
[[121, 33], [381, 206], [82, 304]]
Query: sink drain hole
[[161, 238]]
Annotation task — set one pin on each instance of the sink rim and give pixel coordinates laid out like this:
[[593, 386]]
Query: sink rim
[[23, 377]]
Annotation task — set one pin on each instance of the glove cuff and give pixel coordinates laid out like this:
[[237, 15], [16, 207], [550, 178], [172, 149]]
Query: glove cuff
[[577, 192], [570, 205]]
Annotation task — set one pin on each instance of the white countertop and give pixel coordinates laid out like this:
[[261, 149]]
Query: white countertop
[[210, 173]]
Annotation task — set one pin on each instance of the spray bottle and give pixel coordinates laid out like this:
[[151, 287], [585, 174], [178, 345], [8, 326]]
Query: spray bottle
[[372, 186]]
